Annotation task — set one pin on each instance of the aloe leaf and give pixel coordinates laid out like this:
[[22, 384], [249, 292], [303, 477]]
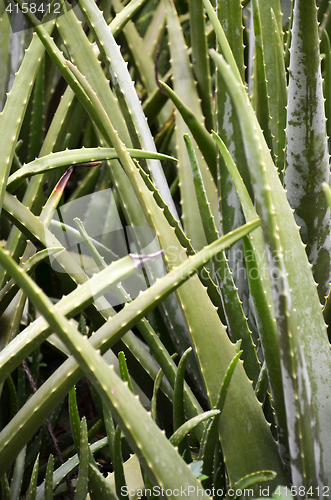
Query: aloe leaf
[[178, 404], [69, 265], [269, 341], [262, 384], [15, 107], [87, 184], [236, 320], [12, 396], [33, 481], [49, 479], [178, 411], [92, 244], [142, 60], [300, 278], [155, 28], [75, 79], [117, 461], [212, 289], [124, 86], [123, 17], [173, 316], [101, 489], [222, 39], [306, 467], [155, 102], [45, 216], [10, 289], [125, 375], [327, 77], [84, 156], [123, 320], [210, 437], [200, 134], [189, 294], [114, 392], [4, 54], [82, 481], [200, 59], [74, 418], [168, 366], [226, 382], [258, 277], [142, 325], [5, 489], [272, 42], [11, 318], [52, 203], [156, 387], [21, 347], [88, 96], [37, 114], [34, 195], [188, 426], [307, 154], [252, 479], [184, 86], [229, 15], [110, 428], [260, 92], [65, 469], [17, 479], [327, 192], [82, 55]]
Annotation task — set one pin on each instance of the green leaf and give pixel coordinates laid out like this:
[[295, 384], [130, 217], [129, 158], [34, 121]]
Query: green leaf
[[5, 489], [126, 92], [200, 134], [307, 154], [83, 475], [200, 59], [117, 461], [17, 478], [101, 490], [121, 18], [230, 41], [196, 468], [49, 479], [65, 469], [258, 278], [84, 156], [157, 383], [250, 480], [184, 87], [13, 113], [124, 370], [33, 481], [143, 302], [188, 426], [293, 355], [74, 419], [178, 404]]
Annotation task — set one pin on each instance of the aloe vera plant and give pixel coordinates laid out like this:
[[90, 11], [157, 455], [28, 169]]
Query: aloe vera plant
[[165, 209]]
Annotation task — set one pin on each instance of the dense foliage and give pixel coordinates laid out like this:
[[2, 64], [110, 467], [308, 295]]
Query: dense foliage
[[165, 252]]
